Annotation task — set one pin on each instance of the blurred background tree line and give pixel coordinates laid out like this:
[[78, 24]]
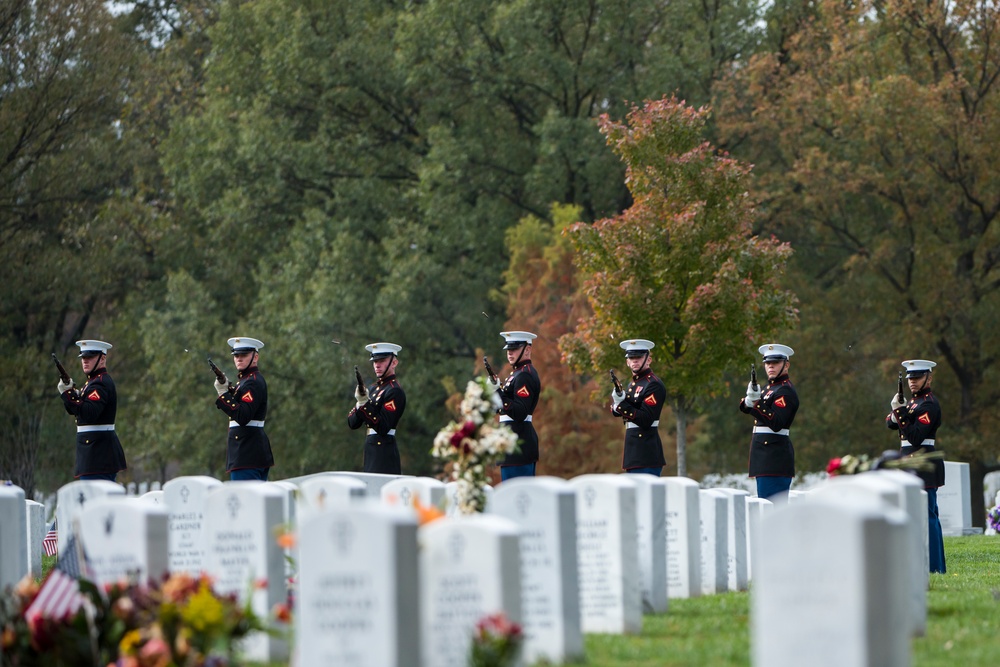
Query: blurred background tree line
[[322, 174]]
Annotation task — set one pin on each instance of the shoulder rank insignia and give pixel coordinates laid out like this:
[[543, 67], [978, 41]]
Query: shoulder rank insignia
[[94, 396], [523, 392], [650, 400], [247, 397], [924, 418], [391, 406], [780, 402]]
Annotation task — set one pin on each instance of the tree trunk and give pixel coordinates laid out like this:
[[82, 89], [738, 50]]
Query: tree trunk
[[680, 412]]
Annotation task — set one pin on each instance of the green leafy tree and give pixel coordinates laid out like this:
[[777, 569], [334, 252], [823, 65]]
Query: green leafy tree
[[874, 128], [680, 266]]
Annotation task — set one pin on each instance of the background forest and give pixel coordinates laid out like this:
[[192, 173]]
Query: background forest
[[322, 174]]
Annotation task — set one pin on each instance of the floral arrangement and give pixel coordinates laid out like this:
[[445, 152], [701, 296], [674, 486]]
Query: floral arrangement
[[182, 622], [496, 642], [993, 519], [889, 460], [472, 444]]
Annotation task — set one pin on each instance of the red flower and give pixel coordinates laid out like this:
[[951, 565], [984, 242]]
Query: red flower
[[833, 466]]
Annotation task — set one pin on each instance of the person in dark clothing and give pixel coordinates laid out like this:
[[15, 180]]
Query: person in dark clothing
[[380, 408], [99, 454], [917, 422], [639, 407], [772, 458], [248, 450], [518, 397]]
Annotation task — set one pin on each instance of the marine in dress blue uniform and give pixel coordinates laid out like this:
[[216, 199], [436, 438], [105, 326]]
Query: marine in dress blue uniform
[[917, 422], [772, 458], [518, 397], [99, 454], [379, 409], [248, 449], [639, 407]]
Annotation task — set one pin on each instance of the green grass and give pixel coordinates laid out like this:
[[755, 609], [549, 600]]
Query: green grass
[[963, 621]]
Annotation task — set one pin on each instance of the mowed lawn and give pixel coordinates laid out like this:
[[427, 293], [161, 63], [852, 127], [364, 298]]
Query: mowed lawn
[[963, 621]]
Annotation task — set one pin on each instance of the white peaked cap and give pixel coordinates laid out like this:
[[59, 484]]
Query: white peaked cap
[[516, 339], [633, 346], [245, 344], [917, 367], [93, 347], [775, 351], [383, 349]]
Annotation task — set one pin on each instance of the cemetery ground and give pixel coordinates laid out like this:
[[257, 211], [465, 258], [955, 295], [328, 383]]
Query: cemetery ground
[[963, 607]]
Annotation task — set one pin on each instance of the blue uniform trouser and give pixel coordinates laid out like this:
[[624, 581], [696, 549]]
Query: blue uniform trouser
[[647, 471], [110, 476], [510, 472], [249, 474], [770, 486], [935, 540]]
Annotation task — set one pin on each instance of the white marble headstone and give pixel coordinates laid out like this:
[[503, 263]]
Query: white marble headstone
[[736, 537], [757, 509], [402, 491], [35, 513], [826, 591], [955, 501], [610, 599], [72, 498], [358, 600], [124, 538], [651, 532], [328, 492], [683, 537], [714, 509], [243, 556], [469, 569], [544, 509], [13, 536], [184, 498]]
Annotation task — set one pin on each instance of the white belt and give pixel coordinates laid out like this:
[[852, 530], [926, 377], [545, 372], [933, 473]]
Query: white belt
[[765, 429], [929, 442], [507, 418], [372, 431], [95, 427], [259, 423], [634, 425]]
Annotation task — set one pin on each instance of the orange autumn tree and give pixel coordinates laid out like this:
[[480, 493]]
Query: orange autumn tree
[[681, 266], [542, 294]]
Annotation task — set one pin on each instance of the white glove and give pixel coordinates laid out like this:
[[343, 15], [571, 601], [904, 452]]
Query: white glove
[[360, 395], [220, 387], [63, 387], [897, 401], [753, 395], [495, 398], [617, 398]]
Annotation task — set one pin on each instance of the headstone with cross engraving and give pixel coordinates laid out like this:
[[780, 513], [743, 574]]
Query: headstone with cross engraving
[[826, 591], [428, 491], [184, 498], [374, 480], [123, 538], [358, 600], [683, 538], [13, 536], [736, 537], [328, 492], [714, 541], [651, 532], [608, 554], [470, 567], [72, 498], [242, 554], [544, 509]]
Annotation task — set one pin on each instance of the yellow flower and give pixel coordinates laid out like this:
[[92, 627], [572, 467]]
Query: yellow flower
[[203, 611], [129, 642]]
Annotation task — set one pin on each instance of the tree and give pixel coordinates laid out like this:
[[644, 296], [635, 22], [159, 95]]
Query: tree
[[874, 128], [680, 266]]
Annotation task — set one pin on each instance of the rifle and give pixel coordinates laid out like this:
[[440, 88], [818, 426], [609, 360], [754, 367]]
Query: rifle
[[361, 382], [489, 369], [899, 385], [753, 377], [614, 378], [63, 375], [220, 376]]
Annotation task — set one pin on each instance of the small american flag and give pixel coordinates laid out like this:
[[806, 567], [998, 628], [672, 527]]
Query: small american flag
[[50, 544], [60, 594]]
